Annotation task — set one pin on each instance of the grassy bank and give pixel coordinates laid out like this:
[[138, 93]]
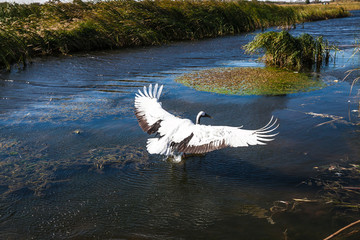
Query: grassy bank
[[61, 28]]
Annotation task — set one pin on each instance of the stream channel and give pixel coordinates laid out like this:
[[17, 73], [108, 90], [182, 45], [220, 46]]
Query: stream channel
[[74, 165]]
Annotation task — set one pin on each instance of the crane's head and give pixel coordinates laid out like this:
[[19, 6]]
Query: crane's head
[[200, 115]]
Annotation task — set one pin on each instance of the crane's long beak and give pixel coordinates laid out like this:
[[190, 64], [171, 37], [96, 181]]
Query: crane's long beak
[[207, 115]]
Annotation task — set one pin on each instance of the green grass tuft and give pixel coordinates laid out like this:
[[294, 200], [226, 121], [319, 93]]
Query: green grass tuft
[[294, 53]]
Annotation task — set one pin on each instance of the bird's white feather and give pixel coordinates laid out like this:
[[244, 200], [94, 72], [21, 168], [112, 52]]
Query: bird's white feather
[[149, 107], [159, 92], [182, 135]]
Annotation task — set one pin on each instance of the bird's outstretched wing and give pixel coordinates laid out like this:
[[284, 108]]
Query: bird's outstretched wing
[[203, 138], [182, 135], [148, 109]]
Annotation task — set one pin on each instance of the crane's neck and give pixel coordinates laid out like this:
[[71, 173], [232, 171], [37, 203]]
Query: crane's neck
[[198, 117]]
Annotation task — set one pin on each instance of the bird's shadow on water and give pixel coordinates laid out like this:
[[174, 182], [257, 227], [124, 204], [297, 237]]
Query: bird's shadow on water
[[221, 168], [249, 112]]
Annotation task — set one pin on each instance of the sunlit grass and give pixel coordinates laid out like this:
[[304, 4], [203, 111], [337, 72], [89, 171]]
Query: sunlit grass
[[28, 30], [347, 5], [283, 50], [250, 81]]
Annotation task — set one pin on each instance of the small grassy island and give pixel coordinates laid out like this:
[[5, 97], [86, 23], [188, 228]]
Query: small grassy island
[[250, 81], [285, 57]]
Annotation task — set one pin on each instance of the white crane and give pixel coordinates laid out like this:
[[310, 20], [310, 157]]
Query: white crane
[[179, 136]]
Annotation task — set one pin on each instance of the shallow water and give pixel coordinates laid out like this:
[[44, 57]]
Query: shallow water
[[74, 162]]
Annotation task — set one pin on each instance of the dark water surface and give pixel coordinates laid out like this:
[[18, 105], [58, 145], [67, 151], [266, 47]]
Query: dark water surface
[[73, 162]]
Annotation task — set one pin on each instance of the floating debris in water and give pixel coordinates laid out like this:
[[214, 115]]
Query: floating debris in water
[[333, 118], [255, 211], [339, 185], [77, 131], [117, 156]]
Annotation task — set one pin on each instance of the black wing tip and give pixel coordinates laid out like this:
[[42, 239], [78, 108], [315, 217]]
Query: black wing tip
[[184, 146], [155, 127], [150, 129], [140, 113]]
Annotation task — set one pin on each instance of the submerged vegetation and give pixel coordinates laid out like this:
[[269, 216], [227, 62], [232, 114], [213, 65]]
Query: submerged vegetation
[[294, 53], [26, 166], [250, 81], [28, 30]]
